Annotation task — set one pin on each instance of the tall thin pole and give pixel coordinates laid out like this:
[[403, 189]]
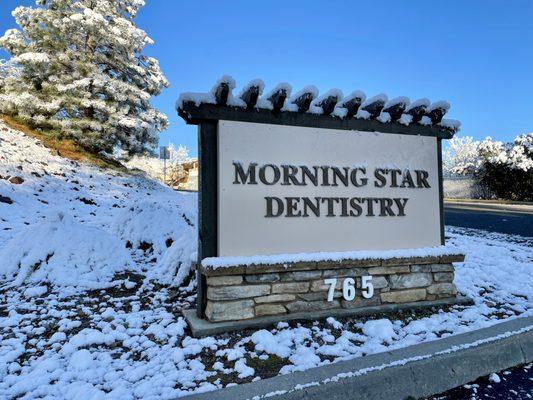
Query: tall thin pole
[[165, 167]]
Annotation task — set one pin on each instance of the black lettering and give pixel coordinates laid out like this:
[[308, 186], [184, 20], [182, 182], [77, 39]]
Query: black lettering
[[353, 177], [401, 206], [330, 201], [240, 174], [262, 174], [269, 207], [356, 207], [292, 205], [306, 172], [308, 204], [407, 179], [325, 176], [394, 173], [370, 206], [385, 207], [378, 174], [337, 174], [344, 206], [421, 179], [289, 175]]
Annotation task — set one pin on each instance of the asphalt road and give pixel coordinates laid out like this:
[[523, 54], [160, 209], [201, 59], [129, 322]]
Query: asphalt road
[[516, 383], [513, 384], [517, 220]]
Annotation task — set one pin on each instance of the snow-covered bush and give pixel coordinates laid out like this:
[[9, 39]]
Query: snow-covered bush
[[82, 74], [503, 170], [507, 168], [517, 155]]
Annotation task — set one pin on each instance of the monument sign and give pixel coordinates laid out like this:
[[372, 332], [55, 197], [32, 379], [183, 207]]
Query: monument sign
[[318, 206]]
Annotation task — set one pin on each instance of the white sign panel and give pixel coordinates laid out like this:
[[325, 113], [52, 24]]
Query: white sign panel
[[285, 189]]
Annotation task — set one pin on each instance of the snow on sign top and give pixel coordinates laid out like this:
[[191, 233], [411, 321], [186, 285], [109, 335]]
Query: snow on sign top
[[331, 103], [225, 262]]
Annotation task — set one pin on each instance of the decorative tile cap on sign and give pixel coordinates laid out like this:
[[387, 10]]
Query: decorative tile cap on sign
[[220, 103]]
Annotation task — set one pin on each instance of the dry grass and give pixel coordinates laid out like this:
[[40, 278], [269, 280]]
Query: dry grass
[[64, 147]]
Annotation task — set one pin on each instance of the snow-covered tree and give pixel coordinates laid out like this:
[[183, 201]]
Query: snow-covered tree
[[82, 74], [461, 157], [7, 71]]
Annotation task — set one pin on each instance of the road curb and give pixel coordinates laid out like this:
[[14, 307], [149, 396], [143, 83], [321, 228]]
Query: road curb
[[523, 208], [483, 201], [418, 371]]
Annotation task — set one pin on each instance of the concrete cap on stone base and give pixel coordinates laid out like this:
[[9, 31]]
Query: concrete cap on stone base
[[217, 266]]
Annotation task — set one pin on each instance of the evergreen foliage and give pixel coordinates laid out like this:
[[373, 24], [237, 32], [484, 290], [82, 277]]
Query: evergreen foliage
[[76, 68]]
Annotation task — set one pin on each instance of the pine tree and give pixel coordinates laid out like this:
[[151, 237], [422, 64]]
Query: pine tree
[[81, 73]]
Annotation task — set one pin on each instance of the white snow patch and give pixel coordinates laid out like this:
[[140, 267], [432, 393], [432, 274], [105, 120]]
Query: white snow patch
[[254, 82], [355, 94], [195, 97], [35, 291], [451, 124], [425, 120], [439, 104], [417, 103], [381, 329], [384, 117], [66, 253], [312, 89], [221, 262], [232, 100], [379, 97], [264, 101], [405, 119], [397, 100], [81, 360], [334, 323], [244, 370], [362, 114]]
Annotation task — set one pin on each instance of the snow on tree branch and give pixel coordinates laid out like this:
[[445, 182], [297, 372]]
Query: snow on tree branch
[[461, 157], [466, 156]]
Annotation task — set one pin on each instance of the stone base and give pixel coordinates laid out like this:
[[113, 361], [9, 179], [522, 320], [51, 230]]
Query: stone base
[[202, 327], [242, 292]]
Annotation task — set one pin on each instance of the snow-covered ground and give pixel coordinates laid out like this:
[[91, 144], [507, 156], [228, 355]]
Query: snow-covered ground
[[68, 223], [94, 273]]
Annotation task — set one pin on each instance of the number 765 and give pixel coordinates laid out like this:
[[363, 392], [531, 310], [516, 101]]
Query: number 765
[[348, 288]]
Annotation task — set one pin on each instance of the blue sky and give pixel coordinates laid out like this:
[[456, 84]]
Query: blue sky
[[478, 55]]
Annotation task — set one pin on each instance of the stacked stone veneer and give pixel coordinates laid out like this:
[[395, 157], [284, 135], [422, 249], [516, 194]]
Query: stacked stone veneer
[[243, 292]]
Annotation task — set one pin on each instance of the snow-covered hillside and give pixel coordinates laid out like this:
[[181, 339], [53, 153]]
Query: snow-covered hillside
[[94, 275], [72, 224]]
